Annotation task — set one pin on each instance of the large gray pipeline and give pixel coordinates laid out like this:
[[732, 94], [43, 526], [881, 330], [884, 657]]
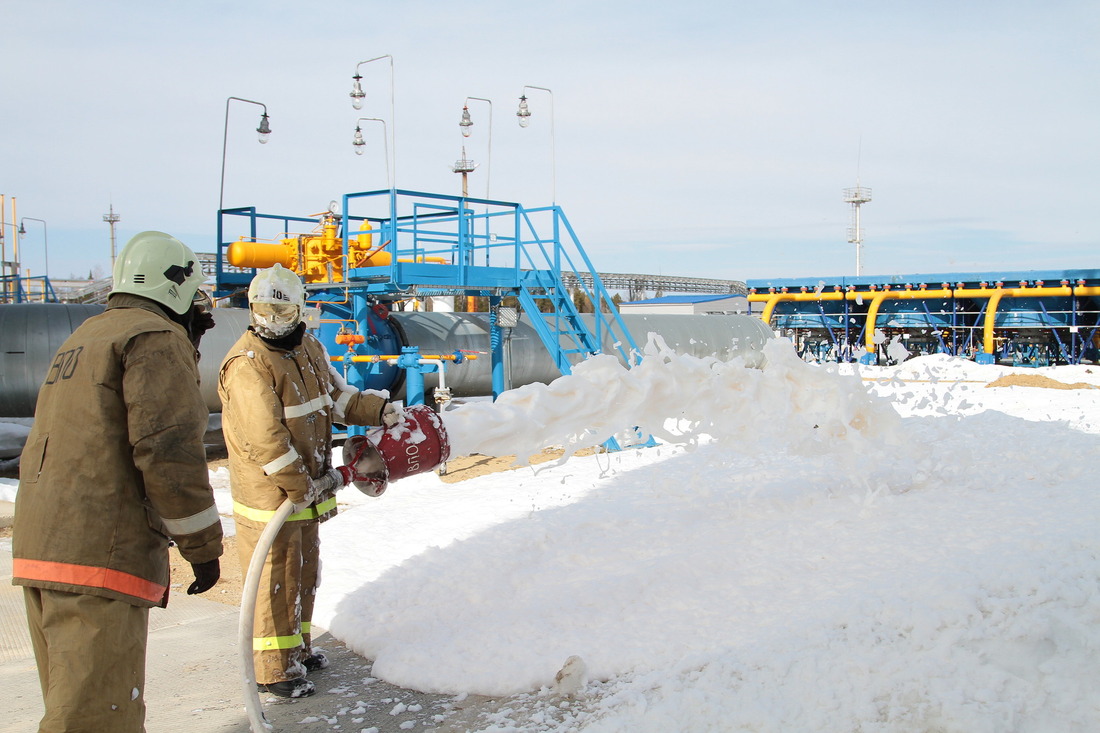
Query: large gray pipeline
[[30, 334], [527, 361]]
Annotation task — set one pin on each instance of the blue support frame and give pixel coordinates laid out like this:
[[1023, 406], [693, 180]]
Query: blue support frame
[[525, 252], [12, 286]]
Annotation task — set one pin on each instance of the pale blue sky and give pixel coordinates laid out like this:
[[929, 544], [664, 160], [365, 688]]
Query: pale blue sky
[[692, 138]]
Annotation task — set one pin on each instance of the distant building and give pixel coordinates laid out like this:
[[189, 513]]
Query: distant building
[[691, 305]]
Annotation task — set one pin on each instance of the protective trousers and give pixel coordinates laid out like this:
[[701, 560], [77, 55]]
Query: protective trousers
[[284, 602], [91, 661]]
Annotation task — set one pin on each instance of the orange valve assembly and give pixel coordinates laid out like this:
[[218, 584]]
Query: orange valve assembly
[[318, 257], [347, 338]]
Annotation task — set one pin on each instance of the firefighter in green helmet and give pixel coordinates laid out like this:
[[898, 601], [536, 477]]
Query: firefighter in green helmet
[[113, 469]]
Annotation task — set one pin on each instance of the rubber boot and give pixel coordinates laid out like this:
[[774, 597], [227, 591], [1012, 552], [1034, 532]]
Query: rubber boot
[[315, 661], [300, 687]]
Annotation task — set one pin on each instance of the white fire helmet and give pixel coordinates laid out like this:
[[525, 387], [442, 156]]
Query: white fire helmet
[[276, 298], [159, 267]]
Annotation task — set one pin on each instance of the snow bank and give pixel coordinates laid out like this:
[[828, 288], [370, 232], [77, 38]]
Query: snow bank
[[806, 560]]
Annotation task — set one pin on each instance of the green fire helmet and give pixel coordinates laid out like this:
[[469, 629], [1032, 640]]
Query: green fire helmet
[[159, 267]]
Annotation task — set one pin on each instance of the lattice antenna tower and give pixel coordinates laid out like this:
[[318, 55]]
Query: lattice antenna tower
[[112, 218], [857, 197]]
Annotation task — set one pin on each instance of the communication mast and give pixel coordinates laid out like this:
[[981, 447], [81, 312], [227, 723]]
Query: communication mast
[[856, 197], [112, 219], [465, 167]]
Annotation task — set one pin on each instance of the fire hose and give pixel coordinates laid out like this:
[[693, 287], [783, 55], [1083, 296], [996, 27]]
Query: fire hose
[[388, 455], [252, 702]]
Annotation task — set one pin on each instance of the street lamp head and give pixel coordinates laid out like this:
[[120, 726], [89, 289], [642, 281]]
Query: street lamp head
[[523, 114], [466, 122], [357, 93], [264, 129], [358, 142], [22, 229]]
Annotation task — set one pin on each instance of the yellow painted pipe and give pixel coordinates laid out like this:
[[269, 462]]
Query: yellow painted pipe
[[872, 310], [877, 297], [773, 299], [990, 318], [995, 295], [245, 253]]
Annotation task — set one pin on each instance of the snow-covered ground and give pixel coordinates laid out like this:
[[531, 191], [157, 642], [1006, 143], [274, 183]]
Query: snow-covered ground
[[811, 548]]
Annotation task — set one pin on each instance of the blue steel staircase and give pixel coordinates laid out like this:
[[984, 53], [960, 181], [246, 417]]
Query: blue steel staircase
[[561, 328], [450, 245]]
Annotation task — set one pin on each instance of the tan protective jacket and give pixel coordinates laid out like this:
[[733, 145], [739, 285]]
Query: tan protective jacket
[[115, 463], [278, 408]]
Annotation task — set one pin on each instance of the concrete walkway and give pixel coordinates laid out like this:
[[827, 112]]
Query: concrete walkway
[[193, 684]]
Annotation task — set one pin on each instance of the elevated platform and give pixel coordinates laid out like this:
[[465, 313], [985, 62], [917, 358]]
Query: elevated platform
[[374, 248]]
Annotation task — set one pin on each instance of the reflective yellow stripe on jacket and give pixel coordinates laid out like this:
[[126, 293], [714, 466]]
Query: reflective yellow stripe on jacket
[[262, 515]]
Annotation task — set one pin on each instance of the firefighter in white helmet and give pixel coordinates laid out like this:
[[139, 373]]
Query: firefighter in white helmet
[[113, 468], [280, 397]]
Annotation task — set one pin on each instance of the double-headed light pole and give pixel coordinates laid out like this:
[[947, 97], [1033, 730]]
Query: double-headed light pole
[[357, 97]]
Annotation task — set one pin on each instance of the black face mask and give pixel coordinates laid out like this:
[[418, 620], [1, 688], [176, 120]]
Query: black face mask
[[200, 320], [196, 320], [291, 341]]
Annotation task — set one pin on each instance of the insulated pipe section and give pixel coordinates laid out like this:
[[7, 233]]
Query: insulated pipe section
[[30, 335], [444, 333], [721, 336], [724, 337]]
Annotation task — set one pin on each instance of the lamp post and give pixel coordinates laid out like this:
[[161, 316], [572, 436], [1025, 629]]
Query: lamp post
[[524, 115], [5, 264], [16, 244], [466, 123], [45, 240], [264, 131], [360, 144], [358, 95]]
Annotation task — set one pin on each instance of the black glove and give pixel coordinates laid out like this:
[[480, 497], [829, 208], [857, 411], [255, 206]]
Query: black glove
[[201, 322], [206, 574]]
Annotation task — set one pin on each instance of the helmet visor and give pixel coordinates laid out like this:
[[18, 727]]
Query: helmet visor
[[276, 314]]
